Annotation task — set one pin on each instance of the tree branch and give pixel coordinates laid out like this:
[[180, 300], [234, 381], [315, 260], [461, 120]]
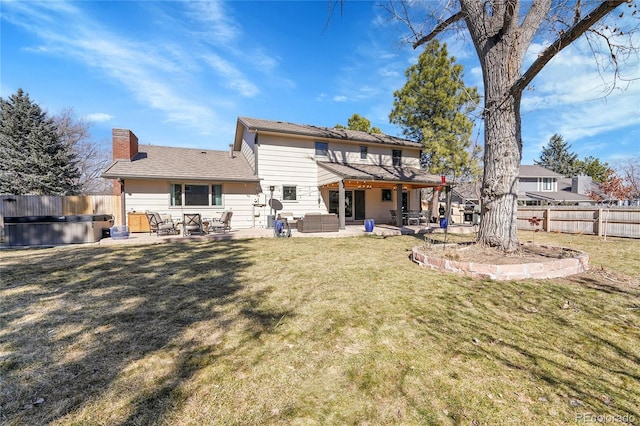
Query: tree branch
[[565, 40], [438, 29]]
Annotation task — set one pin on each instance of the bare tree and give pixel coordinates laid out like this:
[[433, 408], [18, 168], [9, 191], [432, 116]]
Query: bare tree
[[502, 31], [92, 158], [610, 192], [629, 169]]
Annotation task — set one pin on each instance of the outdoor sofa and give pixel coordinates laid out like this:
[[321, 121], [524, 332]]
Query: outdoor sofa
[[317, 222]]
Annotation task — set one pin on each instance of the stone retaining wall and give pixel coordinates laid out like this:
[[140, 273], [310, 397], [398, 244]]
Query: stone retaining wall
[[542, 270]]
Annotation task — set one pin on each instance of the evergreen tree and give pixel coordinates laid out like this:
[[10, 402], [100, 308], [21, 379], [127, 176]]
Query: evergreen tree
[[433, 108], [557, 157], [592, 167], [34, 159], [360, 123]]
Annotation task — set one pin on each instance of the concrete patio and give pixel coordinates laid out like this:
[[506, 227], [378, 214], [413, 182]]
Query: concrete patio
[[349, 231]]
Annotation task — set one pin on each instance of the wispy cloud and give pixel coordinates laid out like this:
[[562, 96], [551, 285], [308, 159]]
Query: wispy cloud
[[218, 25], [149, 72], [234, 78], [98, 117], [573, 96]]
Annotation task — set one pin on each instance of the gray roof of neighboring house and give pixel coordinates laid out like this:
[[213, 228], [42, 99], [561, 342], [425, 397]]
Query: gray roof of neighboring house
[[557, 196], [381, 173], [563, 194], [324, 132], [161, 162], [537, 171]]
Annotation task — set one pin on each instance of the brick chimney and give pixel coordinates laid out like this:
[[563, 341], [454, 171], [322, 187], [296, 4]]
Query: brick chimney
[[125, 144]]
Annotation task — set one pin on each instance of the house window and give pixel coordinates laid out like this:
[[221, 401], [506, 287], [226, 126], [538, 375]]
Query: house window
[[195, 195], [363, 152], [176, 194], [322, 149], [289, 193], [396, 155], [216, 195], [386, 195], [547, 184]]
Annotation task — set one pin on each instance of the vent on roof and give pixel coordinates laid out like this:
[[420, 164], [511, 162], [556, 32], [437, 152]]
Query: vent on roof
[[203, 152]]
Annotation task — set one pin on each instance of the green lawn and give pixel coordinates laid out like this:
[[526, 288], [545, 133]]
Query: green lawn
[[313, 331]]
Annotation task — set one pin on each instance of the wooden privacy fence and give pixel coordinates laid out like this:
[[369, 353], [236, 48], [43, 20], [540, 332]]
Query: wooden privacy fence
[[54, 205], [614, 221]]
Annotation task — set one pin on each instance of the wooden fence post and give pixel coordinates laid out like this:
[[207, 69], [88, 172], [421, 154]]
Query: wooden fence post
[[546, 224], [599, 223]]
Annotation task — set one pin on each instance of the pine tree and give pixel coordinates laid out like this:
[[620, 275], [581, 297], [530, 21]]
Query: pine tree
[[433, 108], [34, 159], [360, 123], [592, 167], [557, 157]]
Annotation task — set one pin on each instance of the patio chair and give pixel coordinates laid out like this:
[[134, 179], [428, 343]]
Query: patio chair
[[159, 225], [424, 217], [223, 224], [191, 224], [394, 217], [413, 218]]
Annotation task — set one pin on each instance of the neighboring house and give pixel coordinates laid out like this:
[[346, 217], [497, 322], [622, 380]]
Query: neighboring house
[[309, 169], [538, 186]]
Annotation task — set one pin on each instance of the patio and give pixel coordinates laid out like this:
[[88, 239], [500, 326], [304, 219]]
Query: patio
[[349, 231]]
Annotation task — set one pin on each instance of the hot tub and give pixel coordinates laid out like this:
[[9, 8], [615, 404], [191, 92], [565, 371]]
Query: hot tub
[[55, 230]]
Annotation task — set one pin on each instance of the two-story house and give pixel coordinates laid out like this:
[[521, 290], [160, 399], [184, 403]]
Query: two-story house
[[540, 186], [309, 169]]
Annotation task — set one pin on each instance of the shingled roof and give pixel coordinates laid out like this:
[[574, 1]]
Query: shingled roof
[[369, 172], [161, 162], [283, 127], [536, 171]]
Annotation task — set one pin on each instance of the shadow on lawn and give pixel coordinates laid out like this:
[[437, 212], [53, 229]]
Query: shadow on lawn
[[75, 322], [529, 330]]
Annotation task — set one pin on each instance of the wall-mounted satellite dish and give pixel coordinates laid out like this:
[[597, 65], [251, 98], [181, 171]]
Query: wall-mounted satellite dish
[[275, 204]]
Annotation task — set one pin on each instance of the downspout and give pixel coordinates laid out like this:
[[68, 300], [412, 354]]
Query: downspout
[[123, 207]]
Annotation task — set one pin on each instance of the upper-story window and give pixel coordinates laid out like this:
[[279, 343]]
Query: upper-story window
[[363, 152], [547, 184], [322, 149], [396, 155]]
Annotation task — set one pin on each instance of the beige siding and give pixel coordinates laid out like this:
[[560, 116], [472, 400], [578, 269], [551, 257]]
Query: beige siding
[[325, 176], [248, 148], [142, 195], [377, 209], [287, 162], [291, 161], [377, 155]]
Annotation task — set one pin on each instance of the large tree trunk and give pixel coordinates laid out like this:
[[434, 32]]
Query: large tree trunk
[[499, 192], [501, 45]]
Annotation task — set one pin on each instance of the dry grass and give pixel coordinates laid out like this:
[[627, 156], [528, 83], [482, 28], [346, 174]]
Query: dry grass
[[312, 331]]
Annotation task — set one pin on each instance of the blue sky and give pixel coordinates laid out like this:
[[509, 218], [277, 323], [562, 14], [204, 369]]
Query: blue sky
[[180, 73]]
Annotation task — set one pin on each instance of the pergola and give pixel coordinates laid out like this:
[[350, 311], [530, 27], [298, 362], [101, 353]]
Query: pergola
[[343, 176]]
